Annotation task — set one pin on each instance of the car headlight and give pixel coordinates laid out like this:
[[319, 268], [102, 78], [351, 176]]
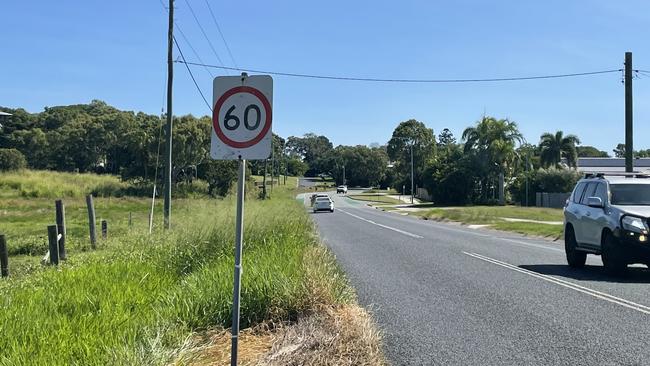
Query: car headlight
[[634, 224]]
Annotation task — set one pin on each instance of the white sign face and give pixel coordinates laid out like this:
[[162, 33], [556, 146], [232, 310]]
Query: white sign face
[[241, 117]]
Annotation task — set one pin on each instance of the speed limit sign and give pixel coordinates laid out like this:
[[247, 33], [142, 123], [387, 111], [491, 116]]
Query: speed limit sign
[[241, 117]]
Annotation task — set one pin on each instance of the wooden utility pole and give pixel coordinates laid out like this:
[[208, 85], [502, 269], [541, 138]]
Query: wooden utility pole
[[60, 226], [4, 257], [91, 220], [53, 240], [629, 148], [170, 77]]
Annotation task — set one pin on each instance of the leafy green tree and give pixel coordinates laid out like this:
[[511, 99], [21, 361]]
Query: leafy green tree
[[450, 179], [364, 166], [553, 147], [12, 159], [586, 151], [619, 151], [642, 153], [312, 149], [33, 144], [415, 135], [446, 138], [296, 167], [191, 145], [221, 175]]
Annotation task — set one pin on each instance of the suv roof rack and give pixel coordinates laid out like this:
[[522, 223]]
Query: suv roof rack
[[617, 174]]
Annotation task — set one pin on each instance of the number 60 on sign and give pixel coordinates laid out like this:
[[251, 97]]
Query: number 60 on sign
[[241, 117]]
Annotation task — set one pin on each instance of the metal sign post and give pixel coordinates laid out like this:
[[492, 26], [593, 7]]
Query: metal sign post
[[239, 238], [241, 130]]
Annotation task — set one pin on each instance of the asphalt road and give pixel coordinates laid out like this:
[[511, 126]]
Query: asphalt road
[[444, 294]]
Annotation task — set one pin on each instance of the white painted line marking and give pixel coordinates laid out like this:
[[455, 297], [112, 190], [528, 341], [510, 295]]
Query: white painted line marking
[[531, 244], [585, 290], [381, 225], [497, 238]]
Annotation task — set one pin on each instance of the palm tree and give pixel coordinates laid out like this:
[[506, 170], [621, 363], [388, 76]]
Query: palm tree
[[494, 138], [493, 141], [555, 147]]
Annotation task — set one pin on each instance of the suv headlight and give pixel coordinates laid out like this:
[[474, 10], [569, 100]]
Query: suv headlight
[[634, 224]]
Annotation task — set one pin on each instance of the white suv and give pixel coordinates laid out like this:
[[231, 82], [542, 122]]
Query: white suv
[[608, 215]]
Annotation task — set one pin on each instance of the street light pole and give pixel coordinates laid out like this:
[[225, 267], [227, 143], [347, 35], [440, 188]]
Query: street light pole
[[411, 173], [527, 154]]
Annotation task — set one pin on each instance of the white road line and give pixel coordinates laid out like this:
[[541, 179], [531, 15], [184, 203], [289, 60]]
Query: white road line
[[470, 232], [530, 244], [381, 225], [585, 290]]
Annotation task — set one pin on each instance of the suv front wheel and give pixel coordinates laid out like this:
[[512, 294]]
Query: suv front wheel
[[574, 257], [611, 255]]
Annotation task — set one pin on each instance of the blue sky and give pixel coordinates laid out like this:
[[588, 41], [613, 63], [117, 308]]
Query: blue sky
[[68, 52]]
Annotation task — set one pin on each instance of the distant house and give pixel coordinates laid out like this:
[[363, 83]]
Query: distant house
[[588, 165], [3, 117]]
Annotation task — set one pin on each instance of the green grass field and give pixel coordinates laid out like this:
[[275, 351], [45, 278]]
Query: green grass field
[[47, 184], [137, 298], [493, 216]]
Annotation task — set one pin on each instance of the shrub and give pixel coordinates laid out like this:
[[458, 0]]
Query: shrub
[[551, 180], [12, 159]]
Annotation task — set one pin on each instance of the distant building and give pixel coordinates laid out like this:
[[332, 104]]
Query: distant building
[[4, 116], [611, 165]]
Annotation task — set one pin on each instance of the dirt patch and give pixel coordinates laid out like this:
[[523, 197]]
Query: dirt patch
[[213, 347], [334, 335], [343, 335]]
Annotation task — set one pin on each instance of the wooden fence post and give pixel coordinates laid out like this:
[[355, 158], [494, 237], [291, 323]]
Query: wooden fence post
[[60, 226], [91, 220], [53, 238], [4, 256], [130, 219], [104, 229]]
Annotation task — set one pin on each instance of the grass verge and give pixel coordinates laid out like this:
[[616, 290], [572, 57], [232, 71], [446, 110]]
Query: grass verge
[[494, 217], [136, 298]]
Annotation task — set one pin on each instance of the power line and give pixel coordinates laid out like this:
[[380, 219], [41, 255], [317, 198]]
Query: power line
[[192, 48], [221, 34], [349, 78], [203, 31], [192, 75], [187, 40]]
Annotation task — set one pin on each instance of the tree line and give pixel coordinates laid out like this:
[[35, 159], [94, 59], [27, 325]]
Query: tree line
[[99, 138]]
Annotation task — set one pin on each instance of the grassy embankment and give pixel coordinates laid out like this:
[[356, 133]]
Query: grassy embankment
[[138, 297], [494, 217]]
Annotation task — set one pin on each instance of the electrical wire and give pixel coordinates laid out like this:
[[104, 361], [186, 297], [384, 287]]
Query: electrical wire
[[187, 40], [349, 78], [192, 75], [203, 31], [221, 34], [193, 50]]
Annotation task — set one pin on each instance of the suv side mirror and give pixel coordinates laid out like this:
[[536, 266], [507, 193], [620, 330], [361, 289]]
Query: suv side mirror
[[595, 202]]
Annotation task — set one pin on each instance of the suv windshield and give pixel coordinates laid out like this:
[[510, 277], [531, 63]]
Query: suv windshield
[[630, 194]]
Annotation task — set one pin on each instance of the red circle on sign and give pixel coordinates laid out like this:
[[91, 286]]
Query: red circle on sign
[[222, 100]]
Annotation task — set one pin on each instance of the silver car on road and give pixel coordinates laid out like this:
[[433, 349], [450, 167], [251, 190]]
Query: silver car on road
[[607, 215]]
